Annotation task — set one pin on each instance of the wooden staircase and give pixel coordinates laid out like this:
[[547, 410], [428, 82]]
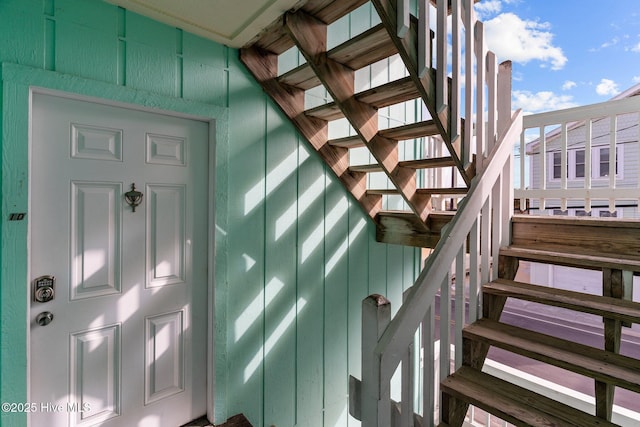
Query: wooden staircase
[[306, 29], [611, 246]]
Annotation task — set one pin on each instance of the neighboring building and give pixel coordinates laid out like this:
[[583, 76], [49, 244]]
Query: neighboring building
[[627, 134]]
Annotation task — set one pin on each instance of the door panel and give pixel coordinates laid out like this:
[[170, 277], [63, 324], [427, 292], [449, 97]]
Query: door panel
[[165, 235], [165, 363], [96, 211], [122, 348], [95, 374]]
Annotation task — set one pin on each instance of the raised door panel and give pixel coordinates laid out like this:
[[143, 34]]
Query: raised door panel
[[95, 380], [164, 356], [165, 234], [96, 142], [95, 239]]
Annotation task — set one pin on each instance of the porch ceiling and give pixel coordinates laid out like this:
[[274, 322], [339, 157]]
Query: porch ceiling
[[231, 22]]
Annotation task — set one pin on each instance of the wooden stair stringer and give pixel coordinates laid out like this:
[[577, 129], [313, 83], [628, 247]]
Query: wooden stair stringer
[[408, 49], [309, 35], [263, 66]]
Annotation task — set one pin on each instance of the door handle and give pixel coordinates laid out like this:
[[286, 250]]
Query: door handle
[[44, 318]]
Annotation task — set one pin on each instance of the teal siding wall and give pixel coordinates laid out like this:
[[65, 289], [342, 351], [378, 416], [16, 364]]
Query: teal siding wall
[[295, 255]]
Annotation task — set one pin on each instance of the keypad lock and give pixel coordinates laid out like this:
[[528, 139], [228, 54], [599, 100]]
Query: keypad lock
[[44, 289]]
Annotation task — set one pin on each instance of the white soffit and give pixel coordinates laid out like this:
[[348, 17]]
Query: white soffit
[[230, 22]]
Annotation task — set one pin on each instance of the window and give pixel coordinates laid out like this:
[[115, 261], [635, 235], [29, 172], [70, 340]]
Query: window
[[603, 160], [579, 164], [577, 167], [607, 214], [571, 212], [557, 165]]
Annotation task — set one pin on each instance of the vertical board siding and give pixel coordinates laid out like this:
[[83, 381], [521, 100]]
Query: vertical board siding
[[246, 264], [295, 255], [280, 296]]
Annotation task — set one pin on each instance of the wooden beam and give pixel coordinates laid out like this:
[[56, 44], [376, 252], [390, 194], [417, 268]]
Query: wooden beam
[[263, 66]]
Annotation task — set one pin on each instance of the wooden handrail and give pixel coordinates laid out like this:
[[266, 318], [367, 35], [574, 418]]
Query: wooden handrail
[[402, 328], [381, 361]]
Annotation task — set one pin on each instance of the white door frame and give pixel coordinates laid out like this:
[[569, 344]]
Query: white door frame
[[210, 327]]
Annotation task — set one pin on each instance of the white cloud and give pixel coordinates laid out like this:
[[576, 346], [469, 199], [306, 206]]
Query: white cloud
[[636, 79], [614, 41], [636, 48], [487, 8], [511, 37], [568, 85], [541, 101], [607, 87]]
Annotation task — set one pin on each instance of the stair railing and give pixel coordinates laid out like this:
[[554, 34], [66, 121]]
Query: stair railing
[[576, 158], [406, 345], [483, 221], [482, 224]]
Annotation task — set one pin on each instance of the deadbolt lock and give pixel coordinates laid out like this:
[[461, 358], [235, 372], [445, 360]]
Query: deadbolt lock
[[44, 288]]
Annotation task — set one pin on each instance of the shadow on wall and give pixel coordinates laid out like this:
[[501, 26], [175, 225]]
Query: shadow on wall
[[302, 256]]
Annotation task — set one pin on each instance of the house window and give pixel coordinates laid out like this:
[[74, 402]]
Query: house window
[[557, 165], [577, 166], [571, 212], [604, 161]]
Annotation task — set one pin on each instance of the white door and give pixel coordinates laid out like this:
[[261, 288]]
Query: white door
[[127, 342]]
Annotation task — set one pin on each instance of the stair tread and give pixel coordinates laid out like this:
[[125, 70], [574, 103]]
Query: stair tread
[[593, 362], [384, 191], [446, 215], [374, 167], [410, 164], [390, 93], [381, 96], [436, 162], [410, 131], [347, 142], [362, 50], [513, 403], [572, 256], [613, 308], [606, 242], [443, 191]]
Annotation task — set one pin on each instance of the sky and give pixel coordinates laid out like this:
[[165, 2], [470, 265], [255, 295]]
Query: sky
[[565, 53]]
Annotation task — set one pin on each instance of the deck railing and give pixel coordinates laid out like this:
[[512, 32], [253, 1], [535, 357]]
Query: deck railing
[[405, 347], [581, 158]]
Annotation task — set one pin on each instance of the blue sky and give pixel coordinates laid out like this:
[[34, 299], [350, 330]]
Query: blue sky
[[565, 52]]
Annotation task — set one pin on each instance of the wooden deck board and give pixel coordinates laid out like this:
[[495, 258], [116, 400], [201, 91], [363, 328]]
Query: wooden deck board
[[572, 256], [595, 363], [515, 404], [609, 307], [410, 131], [437, 162]]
